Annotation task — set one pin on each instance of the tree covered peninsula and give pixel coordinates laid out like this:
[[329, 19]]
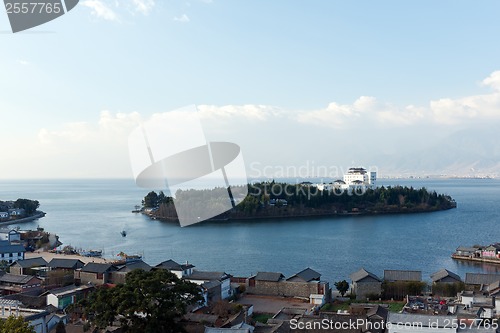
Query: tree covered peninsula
[[283, 200]]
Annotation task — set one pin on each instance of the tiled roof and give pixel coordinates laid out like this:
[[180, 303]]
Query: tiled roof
[[16, 279], [93, 267], [65, 263], [307, 275], [68, 290], [269, 276], [7, 247], [398, 275], [477, 278], [139, 264], [444, 273], [208, 276], [31, 262], [361, 274], [174, 266]]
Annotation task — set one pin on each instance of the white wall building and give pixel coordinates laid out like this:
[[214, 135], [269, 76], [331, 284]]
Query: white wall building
[[354, 178]]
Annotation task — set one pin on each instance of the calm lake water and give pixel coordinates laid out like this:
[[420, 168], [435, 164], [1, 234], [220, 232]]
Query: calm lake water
[[91, 213]]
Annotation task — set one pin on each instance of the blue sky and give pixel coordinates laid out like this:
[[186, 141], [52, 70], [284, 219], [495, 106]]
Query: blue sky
[[74, 87]]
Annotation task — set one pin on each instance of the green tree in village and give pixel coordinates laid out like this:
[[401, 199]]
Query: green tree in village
[[342, 287], [60, 327], [148, 302], [15, 325]]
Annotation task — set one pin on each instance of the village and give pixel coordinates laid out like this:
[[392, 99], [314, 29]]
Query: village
[[41, 285]]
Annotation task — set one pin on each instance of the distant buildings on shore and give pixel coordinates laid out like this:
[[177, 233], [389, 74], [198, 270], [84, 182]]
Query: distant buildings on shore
[[355, 178]]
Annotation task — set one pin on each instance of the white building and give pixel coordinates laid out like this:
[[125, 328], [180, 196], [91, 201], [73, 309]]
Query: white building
[[359, 176], [36, 318], [11, 252], [355, 178]]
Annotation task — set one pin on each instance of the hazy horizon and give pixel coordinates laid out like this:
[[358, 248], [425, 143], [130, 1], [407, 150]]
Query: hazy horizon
[[408, 88]]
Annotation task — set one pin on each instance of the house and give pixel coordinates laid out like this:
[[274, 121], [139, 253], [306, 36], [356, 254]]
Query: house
[[95, 273], [200, 277], [62, 297], [445, 276], [477, 279], [65, 264], [4, 215], [269, 276], [119, 275], [211, 292], [420, 323], [178, 269], [11, 252], [10, 235], [493, 289], [365, 284], [306, 275], [401, 275], [468, 251], [479, 305], [491, 251], [13, 284], [31, 266], [36, 318], [17, 212]]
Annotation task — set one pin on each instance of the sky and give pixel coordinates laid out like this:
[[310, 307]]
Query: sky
[[406, 87]]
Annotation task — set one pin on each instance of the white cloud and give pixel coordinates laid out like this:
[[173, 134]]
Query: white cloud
[[101, 10], [143, 6], [183, 18], [23, 62], [493, 80]]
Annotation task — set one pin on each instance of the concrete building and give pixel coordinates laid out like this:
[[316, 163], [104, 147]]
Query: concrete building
[[35, 317], [94, 273], [365, 284], [62, 297], [181, 271], [11, 252]]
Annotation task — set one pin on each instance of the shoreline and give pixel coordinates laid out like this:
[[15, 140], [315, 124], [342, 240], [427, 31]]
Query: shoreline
[[480, 260], [319, 215], [39, 215]]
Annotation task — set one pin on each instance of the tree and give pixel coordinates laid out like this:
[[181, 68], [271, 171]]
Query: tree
[[342, 287], [29, 206], [15, 325], [60, 327], [148, 302], [150, 200]]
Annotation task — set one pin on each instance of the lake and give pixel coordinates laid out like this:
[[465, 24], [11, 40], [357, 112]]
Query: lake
[[90, 214]]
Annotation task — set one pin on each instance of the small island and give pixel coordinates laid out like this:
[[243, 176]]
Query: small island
[[271, 200], [21, 210]]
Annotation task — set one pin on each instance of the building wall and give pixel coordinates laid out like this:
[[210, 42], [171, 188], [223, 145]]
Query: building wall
[[10, 259], [289, 289], [362, 289], [97, 279]]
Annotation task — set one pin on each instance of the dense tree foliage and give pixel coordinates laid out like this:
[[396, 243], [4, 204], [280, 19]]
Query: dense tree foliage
[[148, 302], [271, 199], [153, 199], [30, 206], [342, 287], [15, 325]]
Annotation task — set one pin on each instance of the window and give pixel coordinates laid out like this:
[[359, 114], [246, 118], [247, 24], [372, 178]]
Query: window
[[10, 255], [18, 254]]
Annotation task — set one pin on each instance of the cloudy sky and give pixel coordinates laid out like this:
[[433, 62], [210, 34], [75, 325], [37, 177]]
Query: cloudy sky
[[406, 87]]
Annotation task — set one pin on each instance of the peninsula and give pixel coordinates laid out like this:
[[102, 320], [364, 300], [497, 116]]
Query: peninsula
[[270, 200], [21, 210]]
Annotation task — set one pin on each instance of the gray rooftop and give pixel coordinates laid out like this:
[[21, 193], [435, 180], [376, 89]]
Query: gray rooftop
[[31, 262], [65, 263], [208, 276], [15, 279], [425, 320], [363, 273], [93, 267], [174, 266], [444, 273], [7, 247], [130, 266], [68, 290], [269, 276], [398, 275], [307, 275], [477, 278]]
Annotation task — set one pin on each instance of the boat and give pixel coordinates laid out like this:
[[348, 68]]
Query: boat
[[123, 233], [91, 253]]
